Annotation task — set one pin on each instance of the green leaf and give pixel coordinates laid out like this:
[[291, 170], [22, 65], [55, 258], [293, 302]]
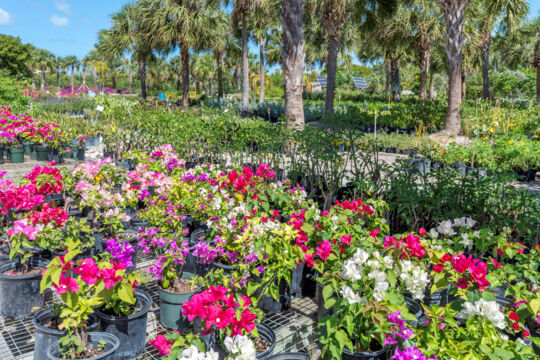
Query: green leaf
[[327, 292], [126, 293]]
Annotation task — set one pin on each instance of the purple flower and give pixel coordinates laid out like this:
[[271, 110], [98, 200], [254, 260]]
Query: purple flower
[[250, 258], [205, 254], [232, 256], [157, 268], [389, 340], [120, 251], [410, 353], [143, 194], [261, 269]]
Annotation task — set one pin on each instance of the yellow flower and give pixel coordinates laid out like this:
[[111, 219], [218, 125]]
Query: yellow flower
[[510, 142]]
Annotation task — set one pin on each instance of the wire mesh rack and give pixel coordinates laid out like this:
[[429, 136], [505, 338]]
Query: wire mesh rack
[[294, 328]]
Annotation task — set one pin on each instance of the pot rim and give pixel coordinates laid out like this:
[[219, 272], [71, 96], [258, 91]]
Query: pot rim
[[161, 289], [387, 348], [39, 262], [109, 338], [140, 294]]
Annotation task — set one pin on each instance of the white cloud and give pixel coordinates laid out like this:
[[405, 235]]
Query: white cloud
[[63, 6], [59, 20], [5, 18]]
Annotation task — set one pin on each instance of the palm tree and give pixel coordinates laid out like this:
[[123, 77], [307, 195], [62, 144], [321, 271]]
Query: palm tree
[[44, 62], [33, 63], [293, 61], [172, 24], [71, 61], [84, 65], [218, 43], [522, 47], [425, 30], [337, 16], [175, 64], [508, 13], [204, 70], [128, 34], [263, 16], [59, 63], [128, 67], [454, 12]]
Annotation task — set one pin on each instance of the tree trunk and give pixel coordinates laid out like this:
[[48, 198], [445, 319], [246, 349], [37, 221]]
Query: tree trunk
[[130, 81], [33, 74], [431, 83], [395, 80], [58, 78], [238, 75], [142, 75], [454, 11], [292, 51], [261, 70], [331, 67], [212, 86], [463, 86], [84, 76], [387, 71], [72, 79], [484, 50], [113, 77], [219, 62], [42, 85], [184, 53], [179, 83], [538, 84], [245, 65], [423, 62]]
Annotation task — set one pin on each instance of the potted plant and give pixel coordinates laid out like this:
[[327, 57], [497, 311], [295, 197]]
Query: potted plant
[[125, 309], [226, 321], [175, 285], [79, 284], [20, 278]]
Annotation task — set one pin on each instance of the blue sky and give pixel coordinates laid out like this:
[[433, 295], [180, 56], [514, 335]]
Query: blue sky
[[69, 27]]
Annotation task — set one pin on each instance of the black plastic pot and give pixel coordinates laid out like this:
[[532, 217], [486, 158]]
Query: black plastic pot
[[130, 330], [383, 354], [1, 154], [267, 334], [271, 306], [439, 297], [500, 298], [415, 308], [290, 356], [58, 199], [19, 294], [54, 155], [45, 337], [111, 346], [198, 236]]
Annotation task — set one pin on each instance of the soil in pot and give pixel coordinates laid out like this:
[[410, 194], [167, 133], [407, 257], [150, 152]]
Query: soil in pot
[[94, 339], [130, 330], [266, 342], [19, 294], [170, 303], [47, 333]]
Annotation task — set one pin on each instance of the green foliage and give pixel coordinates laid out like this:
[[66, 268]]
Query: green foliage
[[13, 55], [9, 92]]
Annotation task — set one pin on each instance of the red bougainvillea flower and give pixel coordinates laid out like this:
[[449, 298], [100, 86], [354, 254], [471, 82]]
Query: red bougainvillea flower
[[445, 258], [422, 232], [308, 258], [515, 326], [162, 344], [462, 283], [373, 233], [438, 268], [526, 333], [346, 239], [513, 316], [88, 271]]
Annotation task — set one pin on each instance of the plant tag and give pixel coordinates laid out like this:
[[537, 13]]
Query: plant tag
[[100, 108]]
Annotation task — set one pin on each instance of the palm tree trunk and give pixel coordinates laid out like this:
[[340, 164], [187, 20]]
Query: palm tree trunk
[[142, 75], [113, 77], [33, 74], [463, 86], [538, 83], [395, 80], [130, 81], [261, 70], [184, 53], [219, 62], [331, 66], [484, 50], [58, 78], [245, 65], [454, 11], [178, 83], [431, 83], [42, 86], [72, 79], [292, 51], [84, 76], [387, 71], [212, 86], [424, 62], [238, 76]]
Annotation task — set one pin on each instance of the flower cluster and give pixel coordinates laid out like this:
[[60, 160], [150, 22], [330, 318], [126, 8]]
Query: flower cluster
[[488, 309], [47, 180], [120, 251], [218, 309], [398, 330]]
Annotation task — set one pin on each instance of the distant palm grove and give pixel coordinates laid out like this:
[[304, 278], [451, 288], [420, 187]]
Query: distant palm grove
[[458, 49]]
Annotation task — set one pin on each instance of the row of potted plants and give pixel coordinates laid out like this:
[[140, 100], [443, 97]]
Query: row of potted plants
[[249, 236]]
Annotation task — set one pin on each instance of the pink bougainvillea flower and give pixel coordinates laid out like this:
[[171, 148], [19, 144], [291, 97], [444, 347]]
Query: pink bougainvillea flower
[[88, 271], [308, 258], [438, 268], [66, 284], [324, 250], [462, 283], [162, 344], [389, 340], [422, 232], [496, 263], [513, 316]]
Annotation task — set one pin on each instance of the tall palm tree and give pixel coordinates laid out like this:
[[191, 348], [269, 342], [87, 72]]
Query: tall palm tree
[[336, 16], [59, 64], [33, 63], [44, 62], [129, 68], [264, 16], [508, 14], [173, 24], [218, 43], [454, 13], [293, 55], [175, 63], [71, 62], [522, 47], [128, 34]]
